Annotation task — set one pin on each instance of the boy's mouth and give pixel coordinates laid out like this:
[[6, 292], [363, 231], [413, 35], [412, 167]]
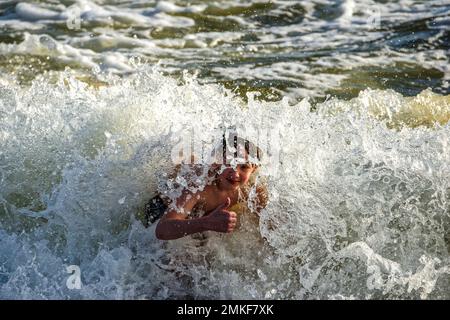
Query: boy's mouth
[[233, 181]]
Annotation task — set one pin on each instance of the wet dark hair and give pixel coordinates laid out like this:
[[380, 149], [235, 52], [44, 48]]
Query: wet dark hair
[[249, 148]]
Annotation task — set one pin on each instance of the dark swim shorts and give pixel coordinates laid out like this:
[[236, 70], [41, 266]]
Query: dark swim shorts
[[154, 210]]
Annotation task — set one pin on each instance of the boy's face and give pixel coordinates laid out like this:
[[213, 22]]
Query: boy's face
[[232, 178]]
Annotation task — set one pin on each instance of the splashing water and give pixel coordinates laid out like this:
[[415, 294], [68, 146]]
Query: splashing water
[[359, 192], [302, 48], [359, 197]]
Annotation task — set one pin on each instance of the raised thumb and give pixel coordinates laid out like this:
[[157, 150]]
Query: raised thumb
[[225, 205]]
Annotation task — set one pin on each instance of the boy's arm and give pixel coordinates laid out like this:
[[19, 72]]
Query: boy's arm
[[174, 225]]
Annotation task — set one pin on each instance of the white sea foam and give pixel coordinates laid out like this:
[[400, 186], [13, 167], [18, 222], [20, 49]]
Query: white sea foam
[[31, 12], [359, 193], [357, 209]]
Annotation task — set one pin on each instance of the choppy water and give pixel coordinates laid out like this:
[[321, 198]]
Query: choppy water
[[357, 92]]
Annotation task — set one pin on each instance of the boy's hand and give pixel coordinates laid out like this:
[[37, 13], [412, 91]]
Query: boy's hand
[[222, 220]]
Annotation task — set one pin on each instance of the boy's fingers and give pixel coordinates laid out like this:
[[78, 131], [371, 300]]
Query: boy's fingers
[[227, 203]]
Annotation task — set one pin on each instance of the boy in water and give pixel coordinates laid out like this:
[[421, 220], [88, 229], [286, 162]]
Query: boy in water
[[230, 184]]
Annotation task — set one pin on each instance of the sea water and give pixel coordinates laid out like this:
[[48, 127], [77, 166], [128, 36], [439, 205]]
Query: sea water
[[351, 99]]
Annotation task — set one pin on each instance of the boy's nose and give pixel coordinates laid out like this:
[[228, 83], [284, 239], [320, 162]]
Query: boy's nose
[[234, 174]]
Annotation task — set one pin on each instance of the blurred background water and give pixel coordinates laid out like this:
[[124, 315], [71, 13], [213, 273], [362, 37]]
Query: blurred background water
[[278, 48]]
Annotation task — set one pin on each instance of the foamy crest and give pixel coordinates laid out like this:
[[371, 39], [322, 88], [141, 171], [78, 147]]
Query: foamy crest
[[359, 201]]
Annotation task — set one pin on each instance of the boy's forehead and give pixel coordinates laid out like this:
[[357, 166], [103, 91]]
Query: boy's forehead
[[236, 151], [233, 162]]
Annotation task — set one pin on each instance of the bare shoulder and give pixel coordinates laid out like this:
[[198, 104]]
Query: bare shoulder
[[206, 194], [188, 178], [182, 206]]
